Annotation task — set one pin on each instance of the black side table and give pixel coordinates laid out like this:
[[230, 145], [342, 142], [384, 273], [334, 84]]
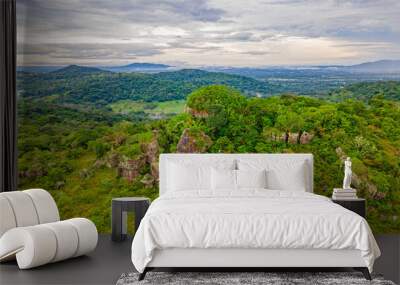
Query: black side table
[[120, 207], [356, 205]]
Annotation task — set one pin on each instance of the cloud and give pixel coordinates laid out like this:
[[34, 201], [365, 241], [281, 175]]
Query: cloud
[[204, 32], [91, 54]]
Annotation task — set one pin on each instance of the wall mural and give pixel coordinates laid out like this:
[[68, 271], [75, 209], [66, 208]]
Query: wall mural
[[105, 86]]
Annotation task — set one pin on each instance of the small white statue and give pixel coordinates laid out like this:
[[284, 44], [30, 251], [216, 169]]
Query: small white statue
[[347, 174]]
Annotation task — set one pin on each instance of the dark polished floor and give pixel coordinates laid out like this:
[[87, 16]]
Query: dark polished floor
[[110, 260]]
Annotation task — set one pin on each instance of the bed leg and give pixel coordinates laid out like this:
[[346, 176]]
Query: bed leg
[[364, 271], [143, 274]]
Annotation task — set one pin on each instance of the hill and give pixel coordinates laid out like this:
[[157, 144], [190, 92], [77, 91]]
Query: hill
[[144, 65], [380, 66], [138, 67], [74, 71], [364, 91], [38, 69], [85, 157], [75, 84]]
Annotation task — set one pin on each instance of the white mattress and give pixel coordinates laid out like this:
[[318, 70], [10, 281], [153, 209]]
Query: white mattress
[[253, 219]]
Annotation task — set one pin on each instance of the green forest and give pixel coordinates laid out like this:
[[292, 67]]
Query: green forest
[[87, 144]]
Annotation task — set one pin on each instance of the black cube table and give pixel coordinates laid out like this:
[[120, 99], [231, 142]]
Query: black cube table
[[120, 208], [356, 205]]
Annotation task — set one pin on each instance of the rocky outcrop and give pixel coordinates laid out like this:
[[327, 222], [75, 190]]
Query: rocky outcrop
[[148, 180], [118, 139], [193, 141], [32, 173], [130, 168], [152, 151], [297, 138], [379, 195], [196, 113], [113, 160], [306, 138]]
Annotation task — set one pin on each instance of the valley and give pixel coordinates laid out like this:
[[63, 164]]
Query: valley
[[87, 135]]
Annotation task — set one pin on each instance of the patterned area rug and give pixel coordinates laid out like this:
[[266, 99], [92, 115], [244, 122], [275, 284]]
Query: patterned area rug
[[269, 278]]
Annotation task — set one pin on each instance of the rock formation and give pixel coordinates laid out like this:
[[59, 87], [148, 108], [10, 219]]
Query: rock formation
[[130, 168], [196, 113], [148, 180], [113, 160], [293, 138], [193, 141], [306, 138], [152, 151]]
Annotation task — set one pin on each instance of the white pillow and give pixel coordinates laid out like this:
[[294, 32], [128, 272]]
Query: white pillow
[[251, 178], [194, 173], [223, 179], [287, 174], [227, 179], [183, 178]]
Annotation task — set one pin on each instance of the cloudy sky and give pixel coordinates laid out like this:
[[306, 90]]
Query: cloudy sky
[[207, 32]]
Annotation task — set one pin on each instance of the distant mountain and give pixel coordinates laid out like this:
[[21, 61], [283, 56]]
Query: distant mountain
[[143, 65], [76, 70], [380, 66], [38, 69], [64, 70], [74, 85], [138, 67]]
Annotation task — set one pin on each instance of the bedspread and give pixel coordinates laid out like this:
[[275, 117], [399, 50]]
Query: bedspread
[[250, 219]]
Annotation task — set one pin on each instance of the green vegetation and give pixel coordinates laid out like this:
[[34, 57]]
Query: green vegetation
[[98, 88], [366, 90], [153, 110], [89, 138]]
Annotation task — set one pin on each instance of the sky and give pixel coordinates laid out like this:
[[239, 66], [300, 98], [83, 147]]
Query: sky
[[251, 33]]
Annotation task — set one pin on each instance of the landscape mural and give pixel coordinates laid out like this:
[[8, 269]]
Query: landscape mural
[[104, 87]]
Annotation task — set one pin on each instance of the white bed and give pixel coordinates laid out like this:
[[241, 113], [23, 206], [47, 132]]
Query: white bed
[[248, 227]]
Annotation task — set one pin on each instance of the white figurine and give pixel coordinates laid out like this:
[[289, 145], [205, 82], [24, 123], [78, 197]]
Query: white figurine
[[347, 174]]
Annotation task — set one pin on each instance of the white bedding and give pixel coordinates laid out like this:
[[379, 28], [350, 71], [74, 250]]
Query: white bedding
[[250, 218]]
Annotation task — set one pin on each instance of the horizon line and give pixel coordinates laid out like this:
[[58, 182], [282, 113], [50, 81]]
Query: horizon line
[[208, 66]]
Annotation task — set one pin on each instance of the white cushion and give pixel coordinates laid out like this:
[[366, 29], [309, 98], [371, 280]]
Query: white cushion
[[230, 180], [183, 177], [23, 208], [45, 206], [87, 233], [288, 174], [188, 174], [32, 246], [7, 220], [40, 244], [67, 240], [223, 179], [251, 178]]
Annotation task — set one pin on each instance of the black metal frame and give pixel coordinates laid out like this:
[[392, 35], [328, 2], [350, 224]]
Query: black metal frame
[[363, 270], [8, 97]]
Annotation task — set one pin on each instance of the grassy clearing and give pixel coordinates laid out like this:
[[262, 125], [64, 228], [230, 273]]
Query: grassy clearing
[[152, 109]]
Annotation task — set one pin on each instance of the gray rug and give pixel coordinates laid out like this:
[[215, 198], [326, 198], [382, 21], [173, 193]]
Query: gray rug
[[269, 278]]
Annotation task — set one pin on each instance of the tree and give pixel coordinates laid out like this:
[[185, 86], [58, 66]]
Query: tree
[[203, 99], [223, 145], [290, 122]]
